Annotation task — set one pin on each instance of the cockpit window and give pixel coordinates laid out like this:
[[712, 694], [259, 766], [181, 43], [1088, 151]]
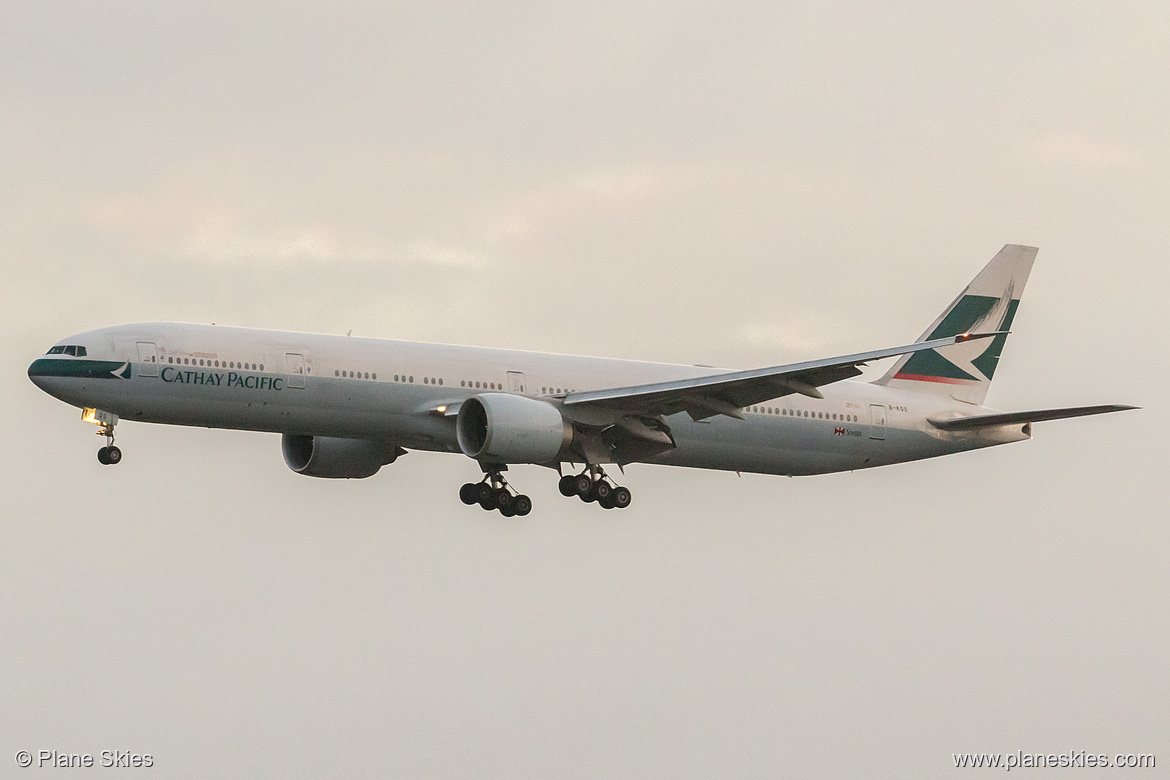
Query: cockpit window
[[68, 349]]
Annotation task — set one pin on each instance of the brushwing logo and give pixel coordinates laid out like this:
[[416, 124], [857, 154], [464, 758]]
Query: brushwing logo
[[968, 362]]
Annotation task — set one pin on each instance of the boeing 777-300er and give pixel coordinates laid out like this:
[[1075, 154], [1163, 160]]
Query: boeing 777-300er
[[346, 406]]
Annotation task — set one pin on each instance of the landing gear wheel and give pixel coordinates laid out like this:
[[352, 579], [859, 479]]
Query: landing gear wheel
[[104, 456], [607, 502], [621, 498], [522, 505], [467, 493], [507, 510], [484, 493], [113, 456], [568, 486], [603, 490], [504, 498], [489, 503], [583, 484]]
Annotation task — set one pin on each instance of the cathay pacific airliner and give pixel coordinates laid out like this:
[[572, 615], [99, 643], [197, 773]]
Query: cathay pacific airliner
[[345, 407]]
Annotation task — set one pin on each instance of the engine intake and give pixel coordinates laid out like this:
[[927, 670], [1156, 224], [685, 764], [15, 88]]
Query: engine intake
[[334, 458], [503, 428]]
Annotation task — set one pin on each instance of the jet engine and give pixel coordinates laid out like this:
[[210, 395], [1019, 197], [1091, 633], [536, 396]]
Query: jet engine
[[503, 428], [334, 458]]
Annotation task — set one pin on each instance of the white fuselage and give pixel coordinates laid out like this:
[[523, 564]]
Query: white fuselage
[[392, 391]]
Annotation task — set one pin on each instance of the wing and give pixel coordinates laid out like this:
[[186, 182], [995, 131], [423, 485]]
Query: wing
[[729, 392], [975, 421]]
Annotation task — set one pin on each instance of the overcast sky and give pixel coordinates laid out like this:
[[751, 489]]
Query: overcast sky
[[738, 185]]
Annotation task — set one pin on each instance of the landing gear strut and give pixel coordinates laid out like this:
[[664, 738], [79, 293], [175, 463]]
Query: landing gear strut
[[593, 484], [495, 493]]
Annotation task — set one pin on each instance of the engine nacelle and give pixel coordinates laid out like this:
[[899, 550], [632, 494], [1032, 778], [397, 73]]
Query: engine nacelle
[[333, 458], [503, 428]]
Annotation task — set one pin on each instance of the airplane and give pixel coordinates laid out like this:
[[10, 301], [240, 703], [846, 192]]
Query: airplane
[[345, 407]]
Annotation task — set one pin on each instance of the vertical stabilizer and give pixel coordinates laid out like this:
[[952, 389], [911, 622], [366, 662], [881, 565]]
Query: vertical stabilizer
[[964, 371]]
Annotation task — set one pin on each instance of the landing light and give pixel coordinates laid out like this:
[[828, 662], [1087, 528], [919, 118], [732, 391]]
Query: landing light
[[98, 417], [441, 409]]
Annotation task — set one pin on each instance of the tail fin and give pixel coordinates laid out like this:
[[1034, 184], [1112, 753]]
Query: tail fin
[[988, 303]]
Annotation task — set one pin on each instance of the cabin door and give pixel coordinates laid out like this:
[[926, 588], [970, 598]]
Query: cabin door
[[147, 359], [296, 370], [516, 382], [877, 417]]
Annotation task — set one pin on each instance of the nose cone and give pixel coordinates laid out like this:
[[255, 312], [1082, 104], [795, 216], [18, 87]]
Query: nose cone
[[38, 374]]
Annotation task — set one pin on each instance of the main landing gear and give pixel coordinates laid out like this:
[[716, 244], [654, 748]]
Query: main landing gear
[[593, 485], [494, 493]]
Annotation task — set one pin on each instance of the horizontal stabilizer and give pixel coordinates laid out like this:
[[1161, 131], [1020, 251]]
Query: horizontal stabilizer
[[1011, 418]]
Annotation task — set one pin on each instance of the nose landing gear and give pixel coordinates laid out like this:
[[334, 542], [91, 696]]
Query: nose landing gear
[[495, 493], [108, 455], [593, 485]]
